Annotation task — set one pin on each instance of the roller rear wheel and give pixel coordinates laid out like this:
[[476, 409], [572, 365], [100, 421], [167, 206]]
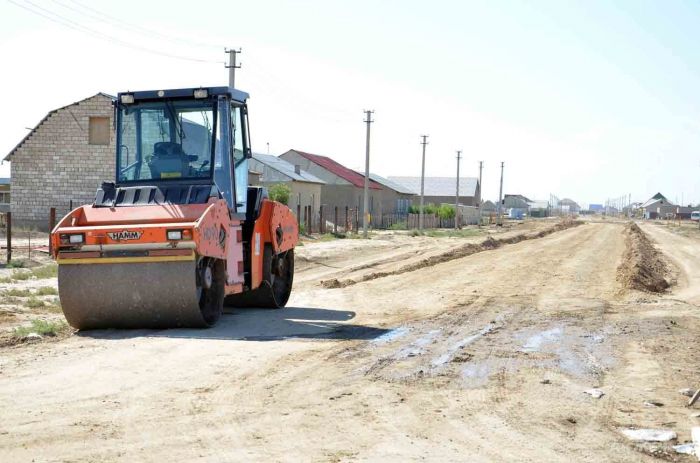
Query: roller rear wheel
[[274, 291]]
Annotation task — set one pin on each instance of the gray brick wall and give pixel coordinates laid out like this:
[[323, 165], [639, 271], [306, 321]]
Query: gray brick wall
[[56, 164]]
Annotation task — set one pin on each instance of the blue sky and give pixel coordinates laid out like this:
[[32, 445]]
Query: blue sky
[[587, 100]]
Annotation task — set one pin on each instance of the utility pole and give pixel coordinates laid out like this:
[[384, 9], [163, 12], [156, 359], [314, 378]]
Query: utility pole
[[500, 199], [422, 183], [268, 147], [459, 158], [481, 189], [232, 66], [365, 215]]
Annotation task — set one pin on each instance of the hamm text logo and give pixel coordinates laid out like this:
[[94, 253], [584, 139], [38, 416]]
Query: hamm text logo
[[124, 235]]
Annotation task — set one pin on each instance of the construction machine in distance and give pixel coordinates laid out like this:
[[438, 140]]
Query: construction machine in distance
[[179, 234]]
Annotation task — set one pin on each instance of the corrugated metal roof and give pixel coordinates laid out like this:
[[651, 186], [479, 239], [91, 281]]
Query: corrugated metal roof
[[338, 169], [286, 168], [397, 187], [439, 186], [655, 198]]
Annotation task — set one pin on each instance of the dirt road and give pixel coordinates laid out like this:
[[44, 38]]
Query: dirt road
[[482, 358]]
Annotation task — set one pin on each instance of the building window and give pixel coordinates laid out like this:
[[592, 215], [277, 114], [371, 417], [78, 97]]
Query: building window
[[4, 198], [99, 131]]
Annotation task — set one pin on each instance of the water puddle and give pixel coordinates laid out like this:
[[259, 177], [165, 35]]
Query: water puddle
[[390, 336], [417, 347], [535, 342], [447, 356]]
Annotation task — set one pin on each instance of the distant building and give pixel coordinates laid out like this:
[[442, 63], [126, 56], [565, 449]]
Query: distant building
[[569, 205], [658, 207], [63, 159], [539, 208], [439, 190], [596, 207], [343, 187], [488, 208], [395, 198], [305, 188]]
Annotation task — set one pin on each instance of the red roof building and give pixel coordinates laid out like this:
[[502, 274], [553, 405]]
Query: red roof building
[[344, 187], [333, 167]]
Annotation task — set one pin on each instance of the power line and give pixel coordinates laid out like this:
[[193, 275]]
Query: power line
[[69, 23], [106, 18]]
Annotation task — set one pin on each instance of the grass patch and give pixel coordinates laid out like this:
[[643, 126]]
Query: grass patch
[[17, 292], [45, 271], [42, 327], [327, 237], [34, 303], [46, 291], [15, 264], [40, 273], [463, 233], [20, 275]]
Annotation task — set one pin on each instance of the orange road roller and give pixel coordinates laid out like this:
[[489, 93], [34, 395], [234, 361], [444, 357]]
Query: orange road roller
[[179, 234]]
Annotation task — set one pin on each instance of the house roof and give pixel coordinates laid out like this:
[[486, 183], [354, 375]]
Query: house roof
[[49, 114], [568, 202], [286, 168], [488, 205], [338, 169], [657, 197], [397, 187], [4, 180], [439, 186]]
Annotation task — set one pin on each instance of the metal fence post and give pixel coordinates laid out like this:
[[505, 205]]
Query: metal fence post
[[335, 222], [347, 223], [299, 222]]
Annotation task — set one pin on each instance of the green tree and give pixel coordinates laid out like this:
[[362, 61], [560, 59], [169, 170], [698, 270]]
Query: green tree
[[280, 193]]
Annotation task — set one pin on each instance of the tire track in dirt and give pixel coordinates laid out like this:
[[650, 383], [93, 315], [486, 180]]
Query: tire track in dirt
[[463, 251]]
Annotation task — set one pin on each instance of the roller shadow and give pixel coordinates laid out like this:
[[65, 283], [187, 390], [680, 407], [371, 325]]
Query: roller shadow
[[263, 325]]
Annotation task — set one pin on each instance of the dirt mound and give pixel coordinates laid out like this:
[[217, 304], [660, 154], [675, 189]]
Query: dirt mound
[[488, 244], [643, 267]]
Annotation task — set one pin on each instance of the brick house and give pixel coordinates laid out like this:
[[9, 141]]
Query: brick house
[[63, 159]]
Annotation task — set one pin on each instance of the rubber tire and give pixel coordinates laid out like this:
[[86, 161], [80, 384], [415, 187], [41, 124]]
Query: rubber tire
[[264, 296], [211, 301]]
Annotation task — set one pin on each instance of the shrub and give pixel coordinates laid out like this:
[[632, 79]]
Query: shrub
[[446, 211], [42, 327], [34, 303], [280, 193]]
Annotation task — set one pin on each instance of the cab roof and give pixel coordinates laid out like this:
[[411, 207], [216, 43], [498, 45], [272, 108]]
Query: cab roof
[[235, 95]]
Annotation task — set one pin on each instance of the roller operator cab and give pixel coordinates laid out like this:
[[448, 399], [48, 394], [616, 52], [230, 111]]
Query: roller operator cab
[[179, 234]]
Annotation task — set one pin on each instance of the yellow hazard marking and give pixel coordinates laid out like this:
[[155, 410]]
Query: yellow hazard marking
[[125, 260]]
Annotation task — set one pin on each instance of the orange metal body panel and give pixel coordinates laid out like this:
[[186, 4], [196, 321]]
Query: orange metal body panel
[[212, 230], [275, 225]]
